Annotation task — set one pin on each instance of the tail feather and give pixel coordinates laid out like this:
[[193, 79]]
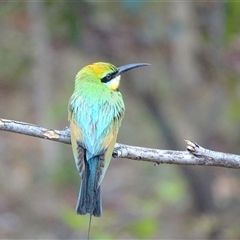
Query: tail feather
[[89, 200], [85, 205]]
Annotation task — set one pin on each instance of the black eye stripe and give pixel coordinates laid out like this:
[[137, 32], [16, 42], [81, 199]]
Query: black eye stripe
[[109, 77]]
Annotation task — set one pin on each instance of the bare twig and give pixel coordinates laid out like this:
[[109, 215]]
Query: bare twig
[[35, 131], [195, 154]]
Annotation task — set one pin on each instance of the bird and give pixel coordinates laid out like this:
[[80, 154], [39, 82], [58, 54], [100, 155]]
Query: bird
[[95, 113]]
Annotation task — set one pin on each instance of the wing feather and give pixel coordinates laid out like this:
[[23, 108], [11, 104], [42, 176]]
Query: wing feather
[[94, 127]]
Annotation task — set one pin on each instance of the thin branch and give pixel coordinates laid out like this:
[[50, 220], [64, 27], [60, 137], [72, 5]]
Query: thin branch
[[35, 131], [195, 154]]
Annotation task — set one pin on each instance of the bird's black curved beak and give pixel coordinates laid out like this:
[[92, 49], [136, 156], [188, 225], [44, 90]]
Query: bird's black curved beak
[[128, 67]]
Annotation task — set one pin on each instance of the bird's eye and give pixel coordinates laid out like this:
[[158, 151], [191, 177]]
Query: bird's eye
[[108, 76]]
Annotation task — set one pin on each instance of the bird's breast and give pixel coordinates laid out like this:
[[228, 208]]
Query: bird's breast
[[97, 116]]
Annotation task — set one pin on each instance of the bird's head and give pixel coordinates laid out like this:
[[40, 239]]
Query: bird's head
[[106, 73]]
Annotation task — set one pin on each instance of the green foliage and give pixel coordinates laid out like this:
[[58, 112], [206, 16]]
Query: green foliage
[[171, 191], [232, 19], [234, 110], [72, 220], [144, 228]]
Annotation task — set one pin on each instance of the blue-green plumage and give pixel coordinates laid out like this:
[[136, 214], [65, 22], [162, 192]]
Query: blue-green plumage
[[99, 118], [97, 113], [89, 199], [96, 109]]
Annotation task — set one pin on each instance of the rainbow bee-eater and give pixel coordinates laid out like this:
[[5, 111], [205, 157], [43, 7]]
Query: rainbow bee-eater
[[95, 112]]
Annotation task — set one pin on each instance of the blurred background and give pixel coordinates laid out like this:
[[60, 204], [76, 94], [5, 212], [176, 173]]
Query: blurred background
[[190, 91]]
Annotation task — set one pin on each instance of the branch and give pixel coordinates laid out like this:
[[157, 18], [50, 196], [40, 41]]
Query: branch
[[35, 131], [195, 154]]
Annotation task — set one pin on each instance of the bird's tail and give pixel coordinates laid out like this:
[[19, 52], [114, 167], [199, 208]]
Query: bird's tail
[[89, 200]]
